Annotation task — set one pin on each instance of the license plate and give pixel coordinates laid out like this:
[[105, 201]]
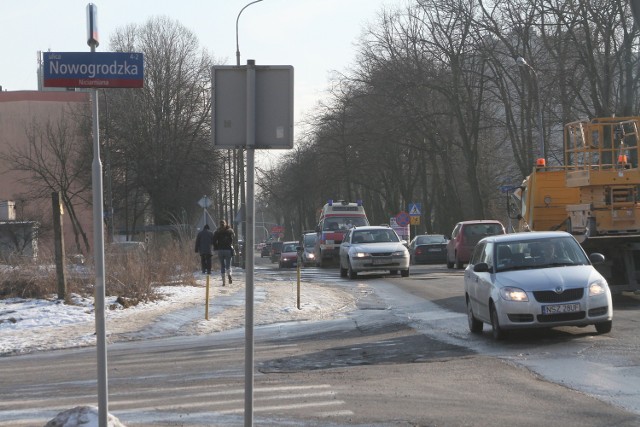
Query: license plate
[[378, 261], [434, 250], [560, 308]]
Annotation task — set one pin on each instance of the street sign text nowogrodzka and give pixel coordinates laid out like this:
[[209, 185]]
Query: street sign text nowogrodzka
[[93, 69]]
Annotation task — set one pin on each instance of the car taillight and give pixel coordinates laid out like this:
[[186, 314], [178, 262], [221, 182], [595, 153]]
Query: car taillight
[[419, 250]]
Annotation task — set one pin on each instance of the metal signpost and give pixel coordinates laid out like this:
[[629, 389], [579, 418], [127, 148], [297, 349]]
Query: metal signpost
[[402, 221], [252, 108], [96, 70]]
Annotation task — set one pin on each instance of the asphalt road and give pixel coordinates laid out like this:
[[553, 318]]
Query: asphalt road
[[403, 358]]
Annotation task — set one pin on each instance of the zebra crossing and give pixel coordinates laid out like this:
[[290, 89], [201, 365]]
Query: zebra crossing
[[168, 387]]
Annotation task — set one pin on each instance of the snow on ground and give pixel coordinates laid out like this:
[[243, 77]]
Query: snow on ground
[[34, 325]]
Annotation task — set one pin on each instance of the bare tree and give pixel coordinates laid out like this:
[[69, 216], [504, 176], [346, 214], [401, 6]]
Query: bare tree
[[160, 135], [56, 160]]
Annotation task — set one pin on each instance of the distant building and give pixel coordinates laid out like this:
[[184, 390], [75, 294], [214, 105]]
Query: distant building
[[27, 215]]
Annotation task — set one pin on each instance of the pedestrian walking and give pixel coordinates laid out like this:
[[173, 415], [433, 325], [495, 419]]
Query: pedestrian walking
[[223, 244], [204, 246]]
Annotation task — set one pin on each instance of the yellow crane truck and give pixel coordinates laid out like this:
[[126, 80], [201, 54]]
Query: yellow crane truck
[[594, 195]]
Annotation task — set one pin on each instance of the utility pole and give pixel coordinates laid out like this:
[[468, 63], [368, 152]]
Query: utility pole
[[58, 237]]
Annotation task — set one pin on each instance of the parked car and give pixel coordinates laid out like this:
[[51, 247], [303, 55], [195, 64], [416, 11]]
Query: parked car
[[289, 255], [535, 280], [308, 244], [428, 249], [465, 236], [266, 250], [276, 249], [373, 248]]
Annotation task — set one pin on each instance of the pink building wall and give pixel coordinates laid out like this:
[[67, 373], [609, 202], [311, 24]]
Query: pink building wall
[[18, 109]]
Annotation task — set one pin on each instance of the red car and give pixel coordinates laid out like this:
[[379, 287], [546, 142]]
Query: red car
[[289, 255], [464, 237]]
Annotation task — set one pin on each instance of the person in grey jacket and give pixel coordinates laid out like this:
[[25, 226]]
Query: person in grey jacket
[[204, 246]]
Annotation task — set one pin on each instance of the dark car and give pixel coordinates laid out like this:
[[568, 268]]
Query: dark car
[[465, 236], [289, 255], [308, 244], [276, 249], [266, 250], [428, 249]]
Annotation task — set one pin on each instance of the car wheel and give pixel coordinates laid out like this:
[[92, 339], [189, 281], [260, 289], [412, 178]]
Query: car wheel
[[404, 273], [449, 263], [604, 327], [475, 325], [459, 264], [497, 332], [352, 274], [343, 272], [393, 272]]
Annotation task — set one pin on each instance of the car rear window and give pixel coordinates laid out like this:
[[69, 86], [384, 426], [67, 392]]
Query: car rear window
[[431, 239]]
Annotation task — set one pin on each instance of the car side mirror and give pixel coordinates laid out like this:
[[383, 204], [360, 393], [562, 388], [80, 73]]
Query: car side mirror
[[596, 258], [481, 267]]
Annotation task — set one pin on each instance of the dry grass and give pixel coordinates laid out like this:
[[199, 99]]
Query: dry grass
[[131, 276]]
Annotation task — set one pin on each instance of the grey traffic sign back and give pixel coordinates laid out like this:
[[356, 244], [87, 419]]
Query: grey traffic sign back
[[273, 106]]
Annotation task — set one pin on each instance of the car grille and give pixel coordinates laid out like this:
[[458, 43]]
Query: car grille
[[560, 317], [552, 296], [377, 254], [520, 317]]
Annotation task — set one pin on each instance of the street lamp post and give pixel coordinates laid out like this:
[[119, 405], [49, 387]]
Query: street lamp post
[[240, 157], [249, 213], [238, 19], [523, 63]]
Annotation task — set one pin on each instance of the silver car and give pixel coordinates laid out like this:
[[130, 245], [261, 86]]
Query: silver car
[[373, 248], [535, 280]]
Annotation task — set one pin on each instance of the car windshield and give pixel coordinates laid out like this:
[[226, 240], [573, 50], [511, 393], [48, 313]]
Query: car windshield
[[310, 240], [335, 223], [289, 247], [539, 253], [374, 236], [425, 240]]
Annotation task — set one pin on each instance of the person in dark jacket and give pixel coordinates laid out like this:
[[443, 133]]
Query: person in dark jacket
[[204, 246], [223, 245]]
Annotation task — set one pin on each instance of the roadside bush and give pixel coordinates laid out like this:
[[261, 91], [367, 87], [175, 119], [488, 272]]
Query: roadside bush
[[131, 275], [27, 279]]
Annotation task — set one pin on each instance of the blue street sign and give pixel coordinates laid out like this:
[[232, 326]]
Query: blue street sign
[[506, 188], [93, 69], [414, 209]]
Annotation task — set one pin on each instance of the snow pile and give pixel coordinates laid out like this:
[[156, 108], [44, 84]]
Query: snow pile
[[82, 416]]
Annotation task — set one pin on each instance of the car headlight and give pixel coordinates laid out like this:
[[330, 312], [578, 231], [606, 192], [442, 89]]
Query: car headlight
[[399, 253], [311, 256], [514, 294], [597, 288], [360, 254]]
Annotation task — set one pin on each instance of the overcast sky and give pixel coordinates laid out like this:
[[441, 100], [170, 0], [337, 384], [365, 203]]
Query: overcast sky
[[314, 36]]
